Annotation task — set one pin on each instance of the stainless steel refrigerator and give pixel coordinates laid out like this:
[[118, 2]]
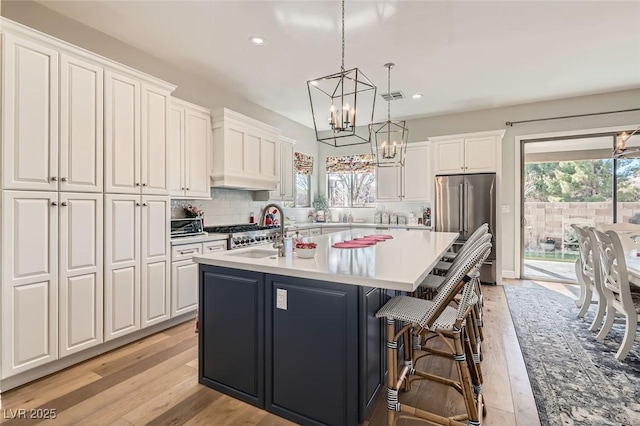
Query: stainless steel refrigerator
[[462, 204]]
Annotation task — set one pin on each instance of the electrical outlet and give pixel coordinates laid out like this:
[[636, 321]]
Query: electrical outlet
[[506, 208], [281, 299]]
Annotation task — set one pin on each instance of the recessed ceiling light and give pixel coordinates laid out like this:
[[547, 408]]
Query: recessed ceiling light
[[314, 83], [417, 96], [257, 40]]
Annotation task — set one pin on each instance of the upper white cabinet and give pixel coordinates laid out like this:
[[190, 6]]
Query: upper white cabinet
[[412, 182], [285, 187], [136, 123], [468, 153], [29, 115], [245, 152], [189, 147]]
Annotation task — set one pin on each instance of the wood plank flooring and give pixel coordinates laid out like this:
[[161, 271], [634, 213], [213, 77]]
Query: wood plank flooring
[[154, 381]]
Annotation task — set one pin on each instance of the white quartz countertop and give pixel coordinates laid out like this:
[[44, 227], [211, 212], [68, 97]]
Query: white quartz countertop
[[307, 225], [198, 239], [400, 263]]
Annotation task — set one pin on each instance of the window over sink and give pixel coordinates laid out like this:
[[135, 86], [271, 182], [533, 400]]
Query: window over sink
[[351, 181]]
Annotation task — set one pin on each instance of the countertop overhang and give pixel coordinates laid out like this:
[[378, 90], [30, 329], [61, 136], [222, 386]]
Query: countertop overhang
[[400, 263]]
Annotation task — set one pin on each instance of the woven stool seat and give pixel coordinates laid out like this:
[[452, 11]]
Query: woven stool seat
[[442, 265], [417, 311]]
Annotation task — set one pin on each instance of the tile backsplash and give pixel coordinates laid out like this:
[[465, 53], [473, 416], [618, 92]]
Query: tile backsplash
[[227, 206], [233, 206]]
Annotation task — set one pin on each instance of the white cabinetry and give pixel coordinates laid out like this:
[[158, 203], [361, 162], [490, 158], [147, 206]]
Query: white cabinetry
[[468, 153], [136, 124], [410, 183], [184, 274], [137, 287], [245, 152], [285, 187], [81, 275], [29, 115], [29, 280], [189, 147]]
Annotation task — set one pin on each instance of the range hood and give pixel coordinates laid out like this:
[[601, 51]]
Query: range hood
[[246, 152]]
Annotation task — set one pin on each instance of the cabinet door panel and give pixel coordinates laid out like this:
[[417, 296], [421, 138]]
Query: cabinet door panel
[[122, 134], [176, 151], [449, 157], [156, 290], [388, 184], [417, 179], [198, 130], [30, 237], [184, 284], [234, 148], [30, 332], [122, 265], [123, 300], [30, 116], [81, 271], [155, 161], [287, 174], [480, 155], [155, 297], [81, 126]]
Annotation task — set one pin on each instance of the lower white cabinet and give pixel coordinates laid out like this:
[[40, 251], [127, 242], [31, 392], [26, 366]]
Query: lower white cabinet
[[137, 286], [81, 273], [184, 274], [51, 277]]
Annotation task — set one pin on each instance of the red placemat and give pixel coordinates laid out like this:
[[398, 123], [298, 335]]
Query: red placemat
[[364, 240], [351, 244], [379, 237]]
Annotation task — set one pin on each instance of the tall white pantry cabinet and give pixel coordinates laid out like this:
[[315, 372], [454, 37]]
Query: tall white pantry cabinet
[[85, 200]]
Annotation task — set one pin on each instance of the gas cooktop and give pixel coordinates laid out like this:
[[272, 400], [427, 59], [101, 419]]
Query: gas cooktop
[[232, 229], [247, 234]]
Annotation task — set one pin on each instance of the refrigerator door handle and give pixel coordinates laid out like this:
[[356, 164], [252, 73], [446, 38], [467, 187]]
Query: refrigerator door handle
[[468, 207], [460, 211]]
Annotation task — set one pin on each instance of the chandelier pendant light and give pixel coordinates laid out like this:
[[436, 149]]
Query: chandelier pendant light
[[342, 105], [390, 138]]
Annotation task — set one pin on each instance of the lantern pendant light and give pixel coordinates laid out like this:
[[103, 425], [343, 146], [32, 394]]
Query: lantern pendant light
[[342, 105], [390, 138]]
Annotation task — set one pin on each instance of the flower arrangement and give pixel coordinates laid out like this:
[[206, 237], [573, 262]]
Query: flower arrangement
[[192, 211]]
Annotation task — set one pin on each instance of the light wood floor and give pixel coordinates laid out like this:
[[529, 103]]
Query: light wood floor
[[154, 381]]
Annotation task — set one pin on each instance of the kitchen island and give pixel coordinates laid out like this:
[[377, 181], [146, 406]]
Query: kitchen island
[[299, 337]]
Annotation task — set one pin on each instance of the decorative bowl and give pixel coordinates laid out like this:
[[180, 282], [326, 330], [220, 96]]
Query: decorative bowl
[[305, 253]]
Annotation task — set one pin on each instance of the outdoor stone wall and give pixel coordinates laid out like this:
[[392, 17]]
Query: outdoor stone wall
[[552, 220]]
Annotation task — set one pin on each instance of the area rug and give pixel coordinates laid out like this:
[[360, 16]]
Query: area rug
[[575, 379]]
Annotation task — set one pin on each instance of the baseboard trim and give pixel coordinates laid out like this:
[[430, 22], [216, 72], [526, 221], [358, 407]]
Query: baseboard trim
[[60, 364], [509, 274]]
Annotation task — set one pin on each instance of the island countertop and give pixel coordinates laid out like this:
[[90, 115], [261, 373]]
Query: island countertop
[[400, 263]]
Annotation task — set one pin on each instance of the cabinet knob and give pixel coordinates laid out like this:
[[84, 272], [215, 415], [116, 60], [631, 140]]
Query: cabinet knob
[[53, 203], [137, 204], [187, 189], [144, 184], [53, 178], [64, 179], [64, 204], [144, 204], [137, 184], [182, 189]]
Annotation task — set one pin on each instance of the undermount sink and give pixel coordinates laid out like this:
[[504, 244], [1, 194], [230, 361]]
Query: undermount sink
[[255, 253]]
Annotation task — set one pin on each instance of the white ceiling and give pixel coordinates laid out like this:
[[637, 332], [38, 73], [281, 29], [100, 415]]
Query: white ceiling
[[462, 55]]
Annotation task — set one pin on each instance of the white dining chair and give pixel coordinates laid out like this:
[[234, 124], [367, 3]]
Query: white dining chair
[[589, 276], [616, 289]]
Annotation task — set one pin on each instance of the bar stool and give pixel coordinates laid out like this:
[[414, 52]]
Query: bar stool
[[421, 316]]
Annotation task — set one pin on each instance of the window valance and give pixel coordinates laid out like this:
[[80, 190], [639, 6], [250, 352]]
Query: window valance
[[303, 164], [362, 163]]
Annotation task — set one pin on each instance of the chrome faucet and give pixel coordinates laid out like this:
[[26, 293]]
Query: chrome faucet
[[279, 243]]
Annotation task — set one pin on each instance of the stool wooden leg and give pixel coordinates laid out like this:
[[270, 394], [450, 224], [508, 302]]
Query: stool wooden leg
[[392, 366], [465, 383]]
